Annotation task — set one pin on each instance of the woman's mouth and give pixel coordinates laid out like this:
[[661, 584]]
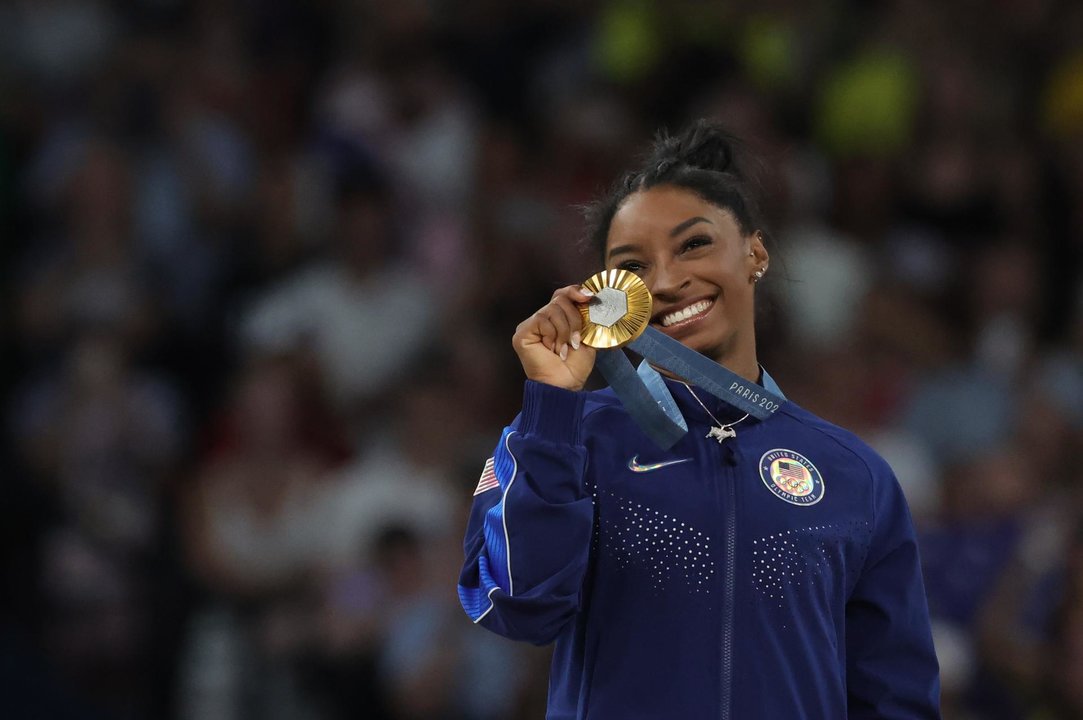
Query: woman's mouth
[[687, 314]]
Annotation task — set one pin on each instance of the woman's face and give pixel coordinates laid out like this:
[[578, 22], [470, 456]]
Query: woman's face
[[697, 264]]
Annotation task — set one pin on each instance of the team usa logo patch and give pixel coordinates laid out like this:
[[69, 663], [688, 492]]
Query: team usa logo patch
[[791, 477]]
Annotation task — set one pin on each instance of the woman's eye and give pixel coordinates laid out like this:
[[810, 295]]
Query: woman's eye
[[696, 242], [631, 266]]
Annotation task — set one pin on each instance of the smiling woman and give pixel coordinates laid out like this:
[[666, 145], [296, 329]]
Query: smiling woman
[[760, 567], [689, 224], [699, 266]]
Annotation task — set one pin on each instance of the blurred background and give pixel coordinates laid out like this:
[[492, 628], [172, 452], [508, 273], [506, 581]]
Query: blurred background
[[262, 261]]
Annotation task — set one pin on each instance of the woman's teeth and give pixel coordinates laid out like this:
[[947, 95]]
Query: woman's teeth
[[686, 313]]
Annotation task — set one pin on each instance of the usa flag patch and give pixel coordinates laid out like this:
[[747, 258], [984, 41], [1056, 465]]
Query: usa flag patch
[[791, 477], [488, 480]]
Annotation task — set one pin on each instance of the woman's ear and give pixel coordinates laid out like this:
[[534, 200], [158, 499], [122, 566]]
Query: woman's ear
[[758, 258]]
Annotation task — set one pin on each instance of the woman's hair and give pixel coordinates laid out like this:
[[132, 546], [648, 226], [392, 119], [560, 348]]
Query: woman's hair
[[704, 159]]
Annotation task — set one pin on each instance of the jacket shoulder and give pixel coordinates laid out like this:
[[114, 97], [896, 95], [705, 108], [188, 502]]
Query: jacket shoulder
[[847, 442]]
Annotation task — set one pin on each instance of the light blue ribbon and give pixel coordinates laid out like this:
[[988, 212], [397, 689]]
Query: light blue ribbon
[[648, 400]]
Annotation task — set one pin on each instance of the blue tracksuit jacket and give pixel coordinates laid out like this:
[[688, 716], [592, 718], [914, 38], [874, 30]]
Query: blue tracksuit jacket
[[774, 575]]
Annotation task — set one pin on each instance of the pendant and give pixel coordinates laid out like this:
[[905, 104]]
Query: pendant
[[722, 433]]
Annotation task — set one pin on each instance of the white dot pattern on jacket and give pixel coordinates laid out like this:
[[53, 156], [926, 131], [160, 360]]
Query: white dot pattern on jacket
[[783, 563], [671, 551]]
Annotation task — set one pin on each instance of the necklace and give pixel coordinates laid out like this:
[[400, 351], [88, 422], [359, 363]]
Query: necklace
[[721, 432]]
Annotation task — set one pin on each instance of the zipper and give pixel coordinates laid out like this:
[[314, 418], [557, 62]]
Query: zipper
[[729, 458]]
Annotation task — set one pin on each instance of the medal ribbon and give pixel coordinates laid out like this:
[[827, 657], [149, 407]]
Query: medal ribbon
[[645, 395]]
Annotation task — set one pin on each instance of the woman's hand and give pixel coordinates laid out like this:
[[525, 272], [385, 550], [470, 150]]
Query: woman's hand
[[548, 342]]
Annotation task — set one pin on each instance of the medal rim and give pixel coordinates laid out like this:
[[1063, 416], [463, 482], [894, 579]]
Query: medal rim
[[635, 320]]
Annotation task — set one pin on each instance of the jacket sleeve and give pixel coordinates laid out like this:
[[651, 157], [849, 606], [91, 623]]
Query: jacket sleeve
[[527, 544], [892, 671]]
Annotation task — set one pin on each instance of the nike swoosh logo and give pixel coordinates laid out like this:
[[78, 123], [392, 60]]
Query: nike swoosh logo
[[634, 465]]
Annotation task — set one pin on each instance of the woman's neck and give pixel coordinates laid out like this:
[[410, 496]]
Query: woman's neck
[[747, 370]]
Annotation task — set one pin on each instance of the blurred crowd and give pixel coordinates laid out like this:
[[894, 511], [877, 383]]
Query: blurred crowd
[[263, 260]]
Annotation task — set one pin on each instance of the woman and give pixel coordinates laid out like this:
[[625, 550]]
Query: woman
[[756, 569]]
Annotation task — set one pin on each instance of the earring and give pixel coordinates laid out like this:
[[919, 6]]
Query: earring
[[758, 274]]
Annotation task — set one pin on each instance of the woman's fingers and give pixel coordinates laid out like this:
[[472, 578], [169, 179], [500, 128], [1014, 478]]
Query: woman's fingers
[[547, 330], [547, 342], [556, 323], [558, 318], [566, 315]]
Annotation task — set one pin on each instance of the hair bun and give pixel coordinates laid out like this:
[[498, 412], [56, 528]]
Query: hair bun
[[703, 159], [703, 145]]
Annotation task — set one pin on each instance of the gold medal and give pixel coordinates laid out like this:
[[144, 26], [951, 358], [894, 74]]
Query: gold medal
[[619, 312]]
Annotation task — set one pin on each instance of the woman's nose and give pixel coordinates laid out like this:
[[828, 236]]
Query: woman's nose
[[668, 281]]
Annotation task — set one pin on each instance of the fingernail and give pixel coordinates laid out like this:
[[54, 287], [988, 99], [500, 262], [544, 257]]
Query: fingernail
[[564, 351], [586, 292], [575, 339]]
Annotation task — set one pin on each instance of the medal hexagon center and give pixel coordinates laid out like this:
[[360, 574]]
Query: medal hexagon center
[[610, 306]]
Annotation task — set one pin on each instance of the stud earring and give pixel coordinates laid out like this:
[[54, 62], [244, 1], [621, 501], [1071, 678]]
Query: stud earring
[[758, 274]]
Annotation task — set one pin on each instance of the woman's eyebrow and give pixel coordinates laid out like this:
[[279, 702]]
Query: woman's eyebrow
[[681, 227], [687, 224], [622, 249]]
